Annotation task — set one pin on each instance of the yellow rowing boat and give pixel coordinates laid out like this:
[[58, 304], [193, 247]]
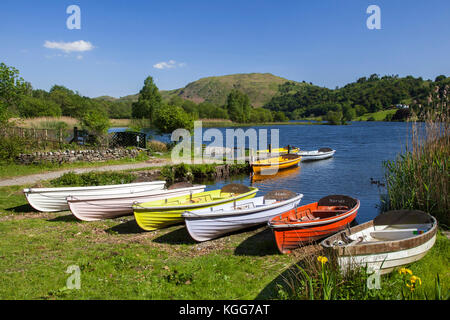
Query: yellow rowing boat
[[161, 213], [276, 163], [280, 150]]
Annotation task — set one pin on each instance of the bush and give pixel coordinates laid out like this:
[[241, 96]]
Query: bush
[[156, 146], [170, 118], [11, 147]]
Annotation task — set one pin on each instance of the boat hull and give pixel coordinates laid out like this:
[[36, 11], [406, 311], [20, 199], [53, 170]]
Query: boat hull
[[204, 227], [382, 256], [156, 218], [271, 166], [88, 209], [294, 232], [54, 199], [315, 155]]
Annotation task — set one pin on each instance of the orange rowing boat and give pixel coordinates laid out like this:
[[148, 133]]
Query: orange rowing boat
[[314, 221]]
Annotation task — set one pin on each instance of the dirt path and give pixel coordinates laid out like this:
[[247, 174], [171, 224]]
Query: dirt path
[[30, 179]]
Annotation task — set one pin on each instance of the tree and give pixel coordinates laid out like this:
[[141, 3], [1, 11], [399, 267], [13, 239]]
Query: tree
[[11, 88], [238, 106], [149, 100], [34, 107], [169, 118], [279, 116]]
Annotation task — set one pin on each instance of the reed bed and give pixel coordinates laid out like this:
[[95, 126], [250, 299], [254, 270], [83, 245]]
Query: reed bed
[[419, 178]]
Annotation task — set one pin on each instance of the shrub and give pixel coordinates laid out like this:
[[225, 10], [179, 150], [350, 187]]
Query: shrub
[[11, 147], [156, 146]]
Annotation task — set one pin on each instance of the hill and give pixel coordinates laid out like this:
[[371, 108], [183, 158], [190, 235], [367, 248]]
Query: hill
[[260, 88]]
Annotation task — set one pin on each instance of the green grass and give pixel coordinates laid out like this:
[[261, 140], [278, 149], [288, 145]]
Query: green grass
[[377, 116], [119, 261], [10, 170]]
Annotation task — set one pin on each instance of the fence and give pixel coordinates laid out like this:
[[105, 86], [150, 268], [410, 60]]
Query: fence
[[39, 137], [58, 137]]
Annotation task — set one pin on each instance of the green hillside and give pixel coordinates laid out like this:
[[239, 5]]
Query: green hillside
[[260, 88]]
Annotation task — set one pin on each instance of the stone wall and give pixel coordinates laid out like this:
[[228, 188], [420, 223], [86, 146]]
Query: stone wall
[[68, 156]]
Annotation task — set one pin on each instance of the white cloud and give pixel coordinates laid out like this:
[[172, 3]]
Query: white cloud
[[75, 46], [168, 65], [79, 57]]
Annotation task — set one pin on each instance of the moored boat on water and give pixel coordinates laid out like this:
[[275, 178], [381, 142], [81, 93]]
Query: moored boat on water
[[392, 239], [279, 151], [272, 165], [209, 223], [159, 214], [92, 208], [54, 199], [322, 153], [314, 221]]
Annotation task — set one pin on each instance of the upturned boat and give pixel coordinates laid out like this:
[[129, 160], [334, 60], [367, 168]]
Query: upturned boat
[[312, 222], [276, 163], [322, 153], [54, 199], [159, 214], [209, 223], [392, 239], [92, 208]]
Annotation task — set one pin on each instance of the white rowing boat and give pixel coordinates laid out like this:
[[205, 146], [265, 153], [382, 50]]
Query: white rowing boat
[[209, 223], [322, 153], [93, 208], [393, 239], [54, 199]]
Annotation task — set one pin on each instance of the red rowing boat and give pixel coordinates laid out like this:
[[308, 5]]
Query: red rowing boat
[[314, 221]]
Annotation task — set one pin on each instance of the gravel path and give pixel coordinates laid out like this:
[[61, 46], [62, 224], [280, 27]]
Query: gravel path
[[30, 179]]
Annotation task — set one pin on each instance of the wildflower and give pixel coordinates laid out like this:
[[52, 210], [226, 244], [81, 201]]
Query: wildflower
[[322, 260], [404, 271], [414, 282]]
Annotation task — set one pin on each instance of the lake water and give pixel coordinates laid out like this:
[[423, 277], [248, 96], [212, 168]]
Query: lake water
[[361, 147]]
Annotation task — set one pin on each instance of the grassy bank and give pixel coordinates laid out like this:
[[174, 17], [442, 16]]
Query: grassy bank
[[120, 261], [376, 116], [10, 170], [50, 122]]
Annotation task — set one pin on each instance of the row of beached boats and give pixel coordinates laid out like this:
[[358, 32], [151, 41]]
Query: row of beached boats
[[392, 239]]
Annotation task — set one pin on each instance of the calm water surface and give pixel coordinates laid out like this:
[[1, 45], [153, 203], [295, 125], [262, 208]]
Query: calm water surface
[[360, 150]]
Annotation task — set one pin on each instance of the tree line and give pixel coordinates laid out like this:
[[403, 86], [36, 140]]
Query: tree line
[[366, 95]]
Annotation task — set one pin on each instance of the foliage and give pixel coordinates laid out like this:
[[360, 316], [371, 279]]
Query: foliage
[[238, 106], [92, 178], [11, 88], [11, 147], [149, 101], [169, 118], [365, 95]]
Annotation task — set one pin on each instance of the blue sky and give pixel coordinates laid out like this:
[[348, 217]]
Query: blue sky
[[325, 42]]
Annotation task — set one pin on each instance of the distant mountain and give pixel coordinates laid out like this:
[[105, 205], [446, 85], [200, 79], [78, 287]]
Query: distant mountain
[[260, 88]]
